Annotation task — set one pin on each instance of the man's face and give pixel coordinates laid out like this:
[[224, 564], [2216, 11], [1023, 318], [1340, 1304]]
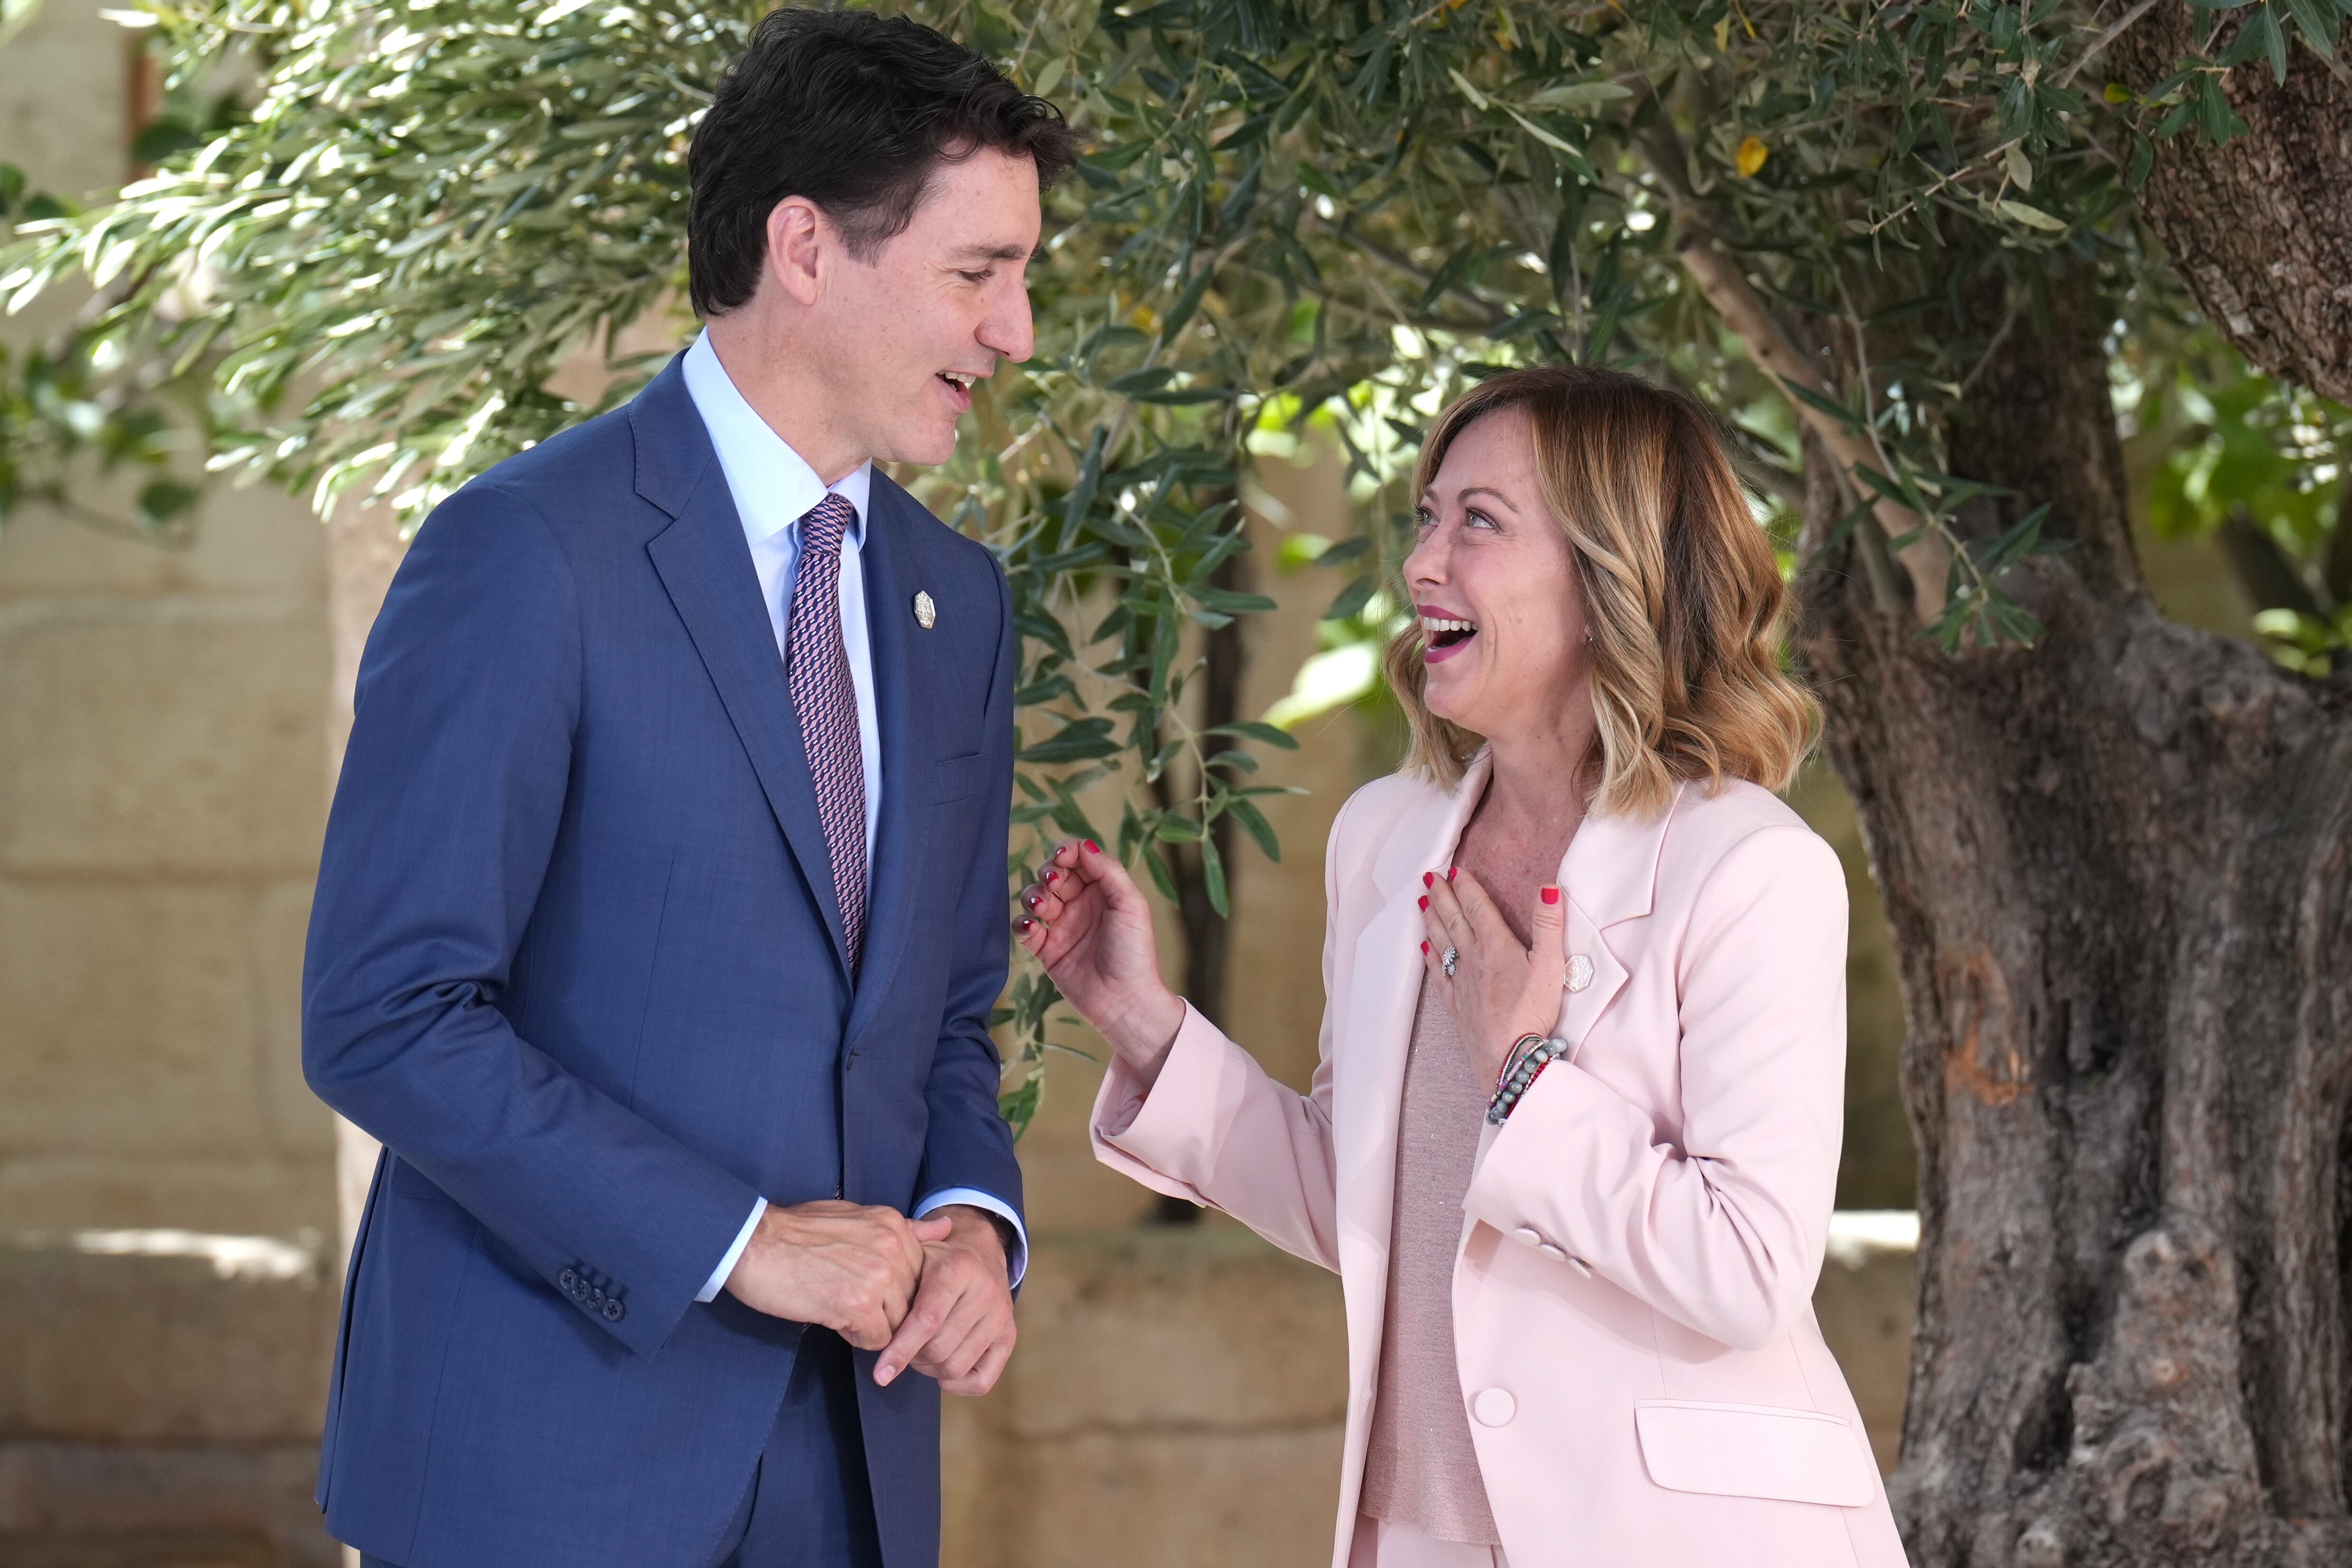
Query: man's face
[[907, 332]]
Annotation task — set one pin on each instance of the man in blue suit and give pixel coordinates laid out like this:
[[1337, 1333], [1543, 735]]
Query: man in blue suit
[[661, 914]]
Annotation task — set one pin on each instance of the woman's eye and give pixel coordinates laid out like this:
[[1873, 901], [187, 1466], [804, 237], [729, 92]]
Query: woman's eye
[[1423, 522], [1478, 520]]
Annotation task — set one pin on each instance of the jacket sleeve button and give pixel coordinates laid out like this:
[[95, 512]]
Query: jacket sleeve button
[[1582, 1266], [1527, 1234], [568, 1281], [1554, 1253], [613, 1311]]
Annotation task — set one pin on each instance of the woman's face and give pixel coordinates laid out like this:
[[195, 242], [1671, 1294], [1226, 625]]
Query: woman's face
[[1494, 581]]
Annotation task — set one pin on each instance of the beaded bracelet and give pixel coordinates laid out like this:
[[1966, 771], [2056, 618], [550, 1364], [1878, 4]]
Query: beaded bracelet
[[1529, 1067], [1515, 1056]]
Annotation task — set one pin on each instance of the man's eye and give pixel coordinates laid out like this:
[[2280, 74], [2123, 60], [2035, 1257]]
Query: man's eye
[[976, 277]]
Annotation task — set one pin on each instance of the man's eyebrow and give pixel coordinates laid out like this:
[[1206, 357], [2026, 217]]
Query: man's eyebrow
[[999, 253]]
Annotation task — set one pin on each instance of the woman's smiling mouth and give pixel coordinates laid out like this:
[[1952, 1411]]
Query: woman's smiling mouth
[[1444, 635]]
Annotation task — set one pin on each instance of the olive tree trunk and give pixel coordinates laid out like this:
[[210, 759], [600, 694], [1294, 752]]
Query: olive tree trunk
[[2118, 867]]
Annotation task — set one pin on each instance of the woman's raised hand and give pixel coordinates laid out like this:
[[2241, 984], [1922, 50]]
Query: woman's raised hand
[[1087, 921], [1498, 990]]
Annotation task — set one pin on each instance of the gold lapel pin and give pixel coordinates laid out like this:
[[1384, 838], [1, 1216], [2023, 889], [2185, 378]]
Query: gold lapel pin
[[926, 612]]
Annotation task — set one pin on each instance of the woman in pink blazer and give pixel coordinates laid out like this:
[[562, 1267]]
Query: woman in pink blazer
[[1573, 1140]]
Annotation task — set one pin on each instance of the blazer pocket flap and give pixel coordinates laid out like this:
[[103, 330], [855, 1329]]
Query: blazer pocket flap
[[1754, 1450]]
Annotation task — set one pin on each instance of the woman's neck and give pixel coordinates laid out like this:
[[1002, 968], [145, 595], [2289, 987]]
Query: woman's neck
[[1538, 780]]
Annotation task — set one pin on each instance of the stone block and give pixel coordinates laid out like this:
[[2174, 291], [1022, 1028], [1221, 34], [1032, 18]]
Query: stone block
[[1865, 1302], [1168, 1500], [163, 1337], [252, 543], [236, 1192], [1151, 1329], [65, 1505], [130, 1024], [298, 1119], [135, 742]]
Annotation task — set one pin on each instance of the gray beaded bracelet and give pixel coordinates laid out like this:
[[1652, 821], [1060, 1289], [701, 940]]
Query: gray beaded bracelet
[[1537, 1058]]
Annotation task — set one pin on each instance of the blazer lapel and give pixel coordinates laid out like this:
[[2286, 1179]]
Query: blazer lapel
[[900, 829], [1368, 1087], [706, 566], [1611, 875]]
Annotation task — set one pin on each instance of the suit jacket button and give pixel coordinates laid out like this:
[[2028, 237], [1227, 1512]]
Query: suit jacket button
[[1526, 1233], [613, 1311], [568, 1281], [595, 1297], [1554, 1253], [1494, 1407], [1582, 1266]]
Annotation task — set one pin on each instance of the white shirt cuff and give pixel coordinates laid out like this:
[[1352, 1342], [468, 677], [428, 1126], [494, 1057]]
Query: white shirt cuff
[[1016, 1260], [727, 1265]]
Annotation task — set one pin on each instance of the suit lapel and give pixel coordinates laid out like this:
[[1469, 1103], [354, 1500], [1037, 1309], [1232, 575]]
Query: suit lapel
[[900, 829], [1367, 1089], [1611, 875], [706, 566]]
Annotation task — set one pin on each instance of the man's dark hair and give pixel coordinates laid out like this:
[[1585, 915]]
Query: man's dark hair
[[851, 111]]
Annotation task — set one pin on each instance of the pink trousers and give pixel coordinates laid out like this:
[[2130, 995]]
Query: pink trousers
[[1380, 1545]]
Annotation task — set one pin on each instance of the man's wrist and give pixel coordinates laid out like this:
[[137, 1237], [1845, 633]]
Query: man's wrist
[[972, 1217]]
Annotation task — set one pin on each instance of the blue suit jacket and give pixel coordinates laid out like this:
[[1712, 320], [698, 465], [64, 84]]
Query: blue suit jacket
[[576, 959]]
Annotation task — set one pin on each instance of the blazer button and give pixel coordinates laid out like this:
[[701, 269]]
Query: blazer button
[[568, 1281], [615, 1312], [1582, 1266], [1554, 1253], [1494, 1407], [595, 1297], [1527, 1234]]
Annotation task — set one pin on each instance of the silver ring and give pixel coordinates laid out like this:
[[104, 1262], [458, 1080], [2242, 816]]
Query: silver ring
[[1447, 960]]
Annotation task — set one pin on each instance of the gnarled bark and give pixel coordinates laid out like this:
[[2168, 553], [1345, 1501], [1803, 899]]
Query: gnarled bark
[[2259, 229], [2118, 866]]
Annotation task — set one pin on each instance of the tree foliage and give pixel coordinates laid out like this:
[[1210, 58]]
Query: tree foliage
[[375, 230]]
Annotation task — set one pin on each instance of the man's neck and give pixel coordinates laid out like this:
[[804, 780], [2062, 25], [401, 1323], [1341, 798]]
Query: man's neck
[[761, 364]]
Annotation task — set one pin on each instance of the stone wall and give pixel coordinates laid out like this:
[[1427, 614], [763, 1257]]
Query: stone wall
[[162, 723]]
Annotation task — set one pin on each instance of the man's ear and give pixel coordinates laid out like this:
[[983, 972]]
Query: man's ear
[[799, 239]]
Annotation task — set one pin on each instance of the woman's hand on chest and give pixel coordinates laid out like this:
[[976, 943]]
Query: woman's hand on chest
[[1500, 988]]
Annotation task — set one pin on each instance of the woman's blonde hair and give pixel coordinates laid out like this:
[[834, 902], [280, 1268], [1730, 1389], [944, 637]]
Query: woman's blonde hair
[[1681, 592]]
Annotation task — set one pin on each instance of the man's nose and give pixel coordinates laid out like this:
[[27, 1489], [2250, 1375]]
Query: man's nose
[[1008, 330]]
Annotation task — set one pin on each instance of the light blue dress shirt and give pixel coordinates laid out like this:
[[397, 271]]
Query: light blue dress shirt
[[774, 488]]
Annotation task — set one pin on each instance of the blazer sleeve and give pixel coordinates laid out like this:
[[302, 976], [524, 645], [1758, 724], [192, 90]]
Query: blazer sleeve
[[968, 1144], [444, 821], [1212, 1126], [1725, 1233]]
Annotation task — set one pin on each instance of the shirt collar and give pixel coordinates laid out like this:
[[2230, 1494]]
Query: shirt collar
[[773, 485]]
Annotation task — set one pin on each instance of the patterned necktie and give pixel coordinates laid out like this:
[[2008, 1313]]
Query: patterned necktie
[[817, 670]]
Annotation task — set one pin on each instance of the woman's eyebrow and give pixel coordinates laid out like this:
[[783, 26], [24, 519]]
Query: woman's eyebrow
[[1475, 491]]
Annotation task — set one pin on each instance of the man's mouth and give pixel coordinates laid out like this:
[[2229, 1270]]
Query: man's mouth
[[958, 384]]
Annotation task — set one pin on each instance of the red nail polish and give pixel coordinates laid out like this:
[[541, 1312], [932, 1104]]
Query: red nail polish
[[1424, 946], [1551, 895], [1424, 903], [1054, 875], [1429, 879], [1451, 872], [1093, 847], [1024, 922], [1033, 899]]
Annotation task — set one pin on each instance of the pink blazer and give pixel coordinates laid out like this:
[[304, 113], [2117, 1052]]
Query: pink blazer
[[1633, 1297]]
